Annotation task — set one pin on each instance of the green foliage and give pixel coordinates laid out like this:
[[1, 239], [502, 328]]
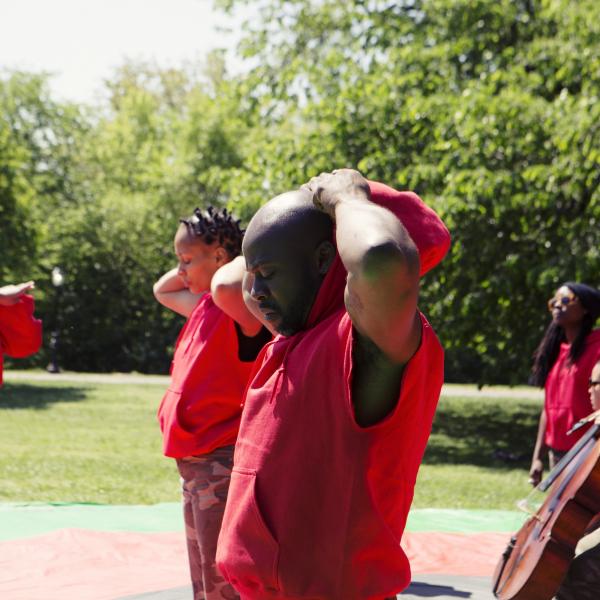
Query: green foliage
[[488, 109], [162, 147], [35, 138]]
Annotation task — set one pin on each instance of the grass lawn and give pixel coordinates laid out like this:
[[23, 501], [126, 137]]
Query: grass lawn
[[72, 442], [83, 443], [479, 453]]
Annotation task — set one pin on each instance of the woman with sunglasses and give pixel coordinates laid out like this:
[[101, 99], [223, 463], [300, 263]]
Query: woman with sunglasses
[[563, 365]]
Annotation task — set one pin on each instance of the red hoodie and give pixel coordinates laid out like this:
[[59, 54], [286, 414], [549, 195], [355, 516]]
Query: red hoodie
[[317, 504], [20, 331]]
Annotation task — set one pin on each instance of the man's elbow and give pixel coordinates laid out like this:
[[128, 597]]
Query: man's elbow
[[386, 258]]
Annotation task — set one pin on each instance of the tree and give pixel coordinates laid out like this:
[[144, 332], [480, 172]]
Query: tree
[[36, 140], [159, 149], [487, 109]]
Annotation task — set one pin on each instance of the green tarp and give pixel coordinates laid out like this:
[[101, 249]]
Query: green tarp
[[26, 520]]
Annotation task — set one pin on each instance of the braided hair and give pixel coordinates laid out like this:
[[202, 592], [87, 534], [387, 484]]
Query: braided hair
[[547, 352], [213, 225]]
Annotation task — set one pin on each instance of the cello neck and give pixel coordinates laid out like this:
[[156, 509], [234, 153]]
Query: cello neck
[[568, 457]]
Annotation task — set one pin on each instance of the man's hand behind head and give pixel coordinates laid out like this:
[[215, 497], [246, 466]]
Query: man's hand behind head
[[328, 189]]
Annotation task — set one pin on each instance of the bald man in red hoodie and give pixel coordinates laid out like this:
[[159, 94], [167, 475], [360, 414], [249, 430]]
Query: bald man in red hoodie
[[340, 407]]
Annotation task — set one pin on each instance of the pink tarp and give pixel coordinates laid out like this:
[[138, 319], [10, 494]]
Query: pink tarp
[[473, 555], [78, 564]]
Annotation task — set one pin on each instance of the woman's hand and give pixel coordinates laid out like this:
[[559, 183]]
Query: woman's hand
[[535, 472], [11, 294]]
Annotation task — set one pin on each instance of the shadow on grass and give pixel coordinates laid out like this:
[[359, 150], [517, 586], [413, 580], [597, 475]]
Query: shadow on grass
[[486, 432], [21, 395]]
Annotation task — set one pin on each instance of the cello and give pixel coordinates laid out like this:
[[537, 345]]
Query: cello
[[537, 557]]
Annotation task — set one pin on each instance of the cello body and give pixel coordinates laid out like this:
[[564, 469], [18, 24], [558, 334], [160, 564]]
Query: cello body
[[538, 556]]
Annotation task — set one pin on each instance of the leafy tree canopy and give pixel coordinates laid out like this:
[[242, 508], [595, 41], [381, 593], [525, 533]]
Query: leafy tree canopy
[[487, 108]]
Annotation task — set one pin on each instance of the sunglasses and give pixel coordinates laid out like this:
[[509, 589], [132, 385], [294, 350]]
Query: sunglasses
[[592, 383], [562, 301]]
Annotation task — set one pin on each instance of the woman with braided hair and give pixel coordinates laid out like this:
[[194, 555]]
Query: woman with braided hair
[[200, 412]]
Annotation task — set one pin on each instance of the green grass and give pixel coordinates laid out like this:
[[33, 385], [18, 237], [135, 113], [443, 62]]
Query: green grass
[[83, 443], [101, 443], [478, 454]]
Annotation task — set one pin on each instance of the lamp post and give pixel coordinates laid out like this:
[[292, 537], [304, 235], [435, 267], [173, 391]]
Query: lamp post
[[58, 278]]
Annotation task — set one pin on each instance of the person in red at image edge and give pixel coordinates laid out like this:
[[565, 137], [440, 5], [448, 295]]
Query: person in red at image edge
[[200, 413], [339, 411], [562, 366], [20, 331]]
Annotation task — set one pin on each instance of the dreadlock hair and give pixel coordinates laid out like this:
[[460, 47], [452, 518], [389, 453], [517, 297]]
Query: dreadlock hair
[[547, 352], [214, 225]]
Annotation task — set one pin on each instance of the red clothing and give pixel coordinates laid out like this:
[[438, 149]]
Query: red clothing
[[567, 398], [317, 504], [201, 409], [426, 229], [20, 331]]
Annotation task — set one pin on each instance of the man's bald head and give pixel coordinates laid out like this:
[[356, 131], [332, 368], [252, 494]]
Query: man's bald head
[[288, 248], [293, 216]]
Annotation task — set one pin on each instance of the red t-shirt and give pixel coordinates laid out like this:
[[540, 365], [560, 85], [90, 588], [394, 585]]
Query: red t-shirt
[[201, 409], [567, 397], [20, 331]]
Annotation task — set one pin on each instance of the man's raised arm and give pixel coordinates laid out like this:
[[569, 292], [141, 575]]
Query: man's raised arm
[[382, 263]]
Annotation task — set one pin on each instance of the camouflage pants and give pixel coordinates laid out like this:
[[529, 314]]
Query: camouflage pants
[[582, 581], [205, 482]]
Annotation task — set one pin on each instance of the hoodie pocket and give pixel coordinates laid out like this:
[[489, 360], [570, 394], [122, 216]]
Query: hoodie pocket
[[247, 553]]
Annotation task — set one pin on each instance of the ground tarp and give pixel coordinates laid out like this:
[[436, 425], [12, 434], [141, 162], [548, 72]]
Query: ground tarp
[[100, 552]]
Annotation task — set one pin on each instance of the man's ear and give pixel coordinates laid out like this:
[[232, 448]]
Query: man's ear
[[324, 253]]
